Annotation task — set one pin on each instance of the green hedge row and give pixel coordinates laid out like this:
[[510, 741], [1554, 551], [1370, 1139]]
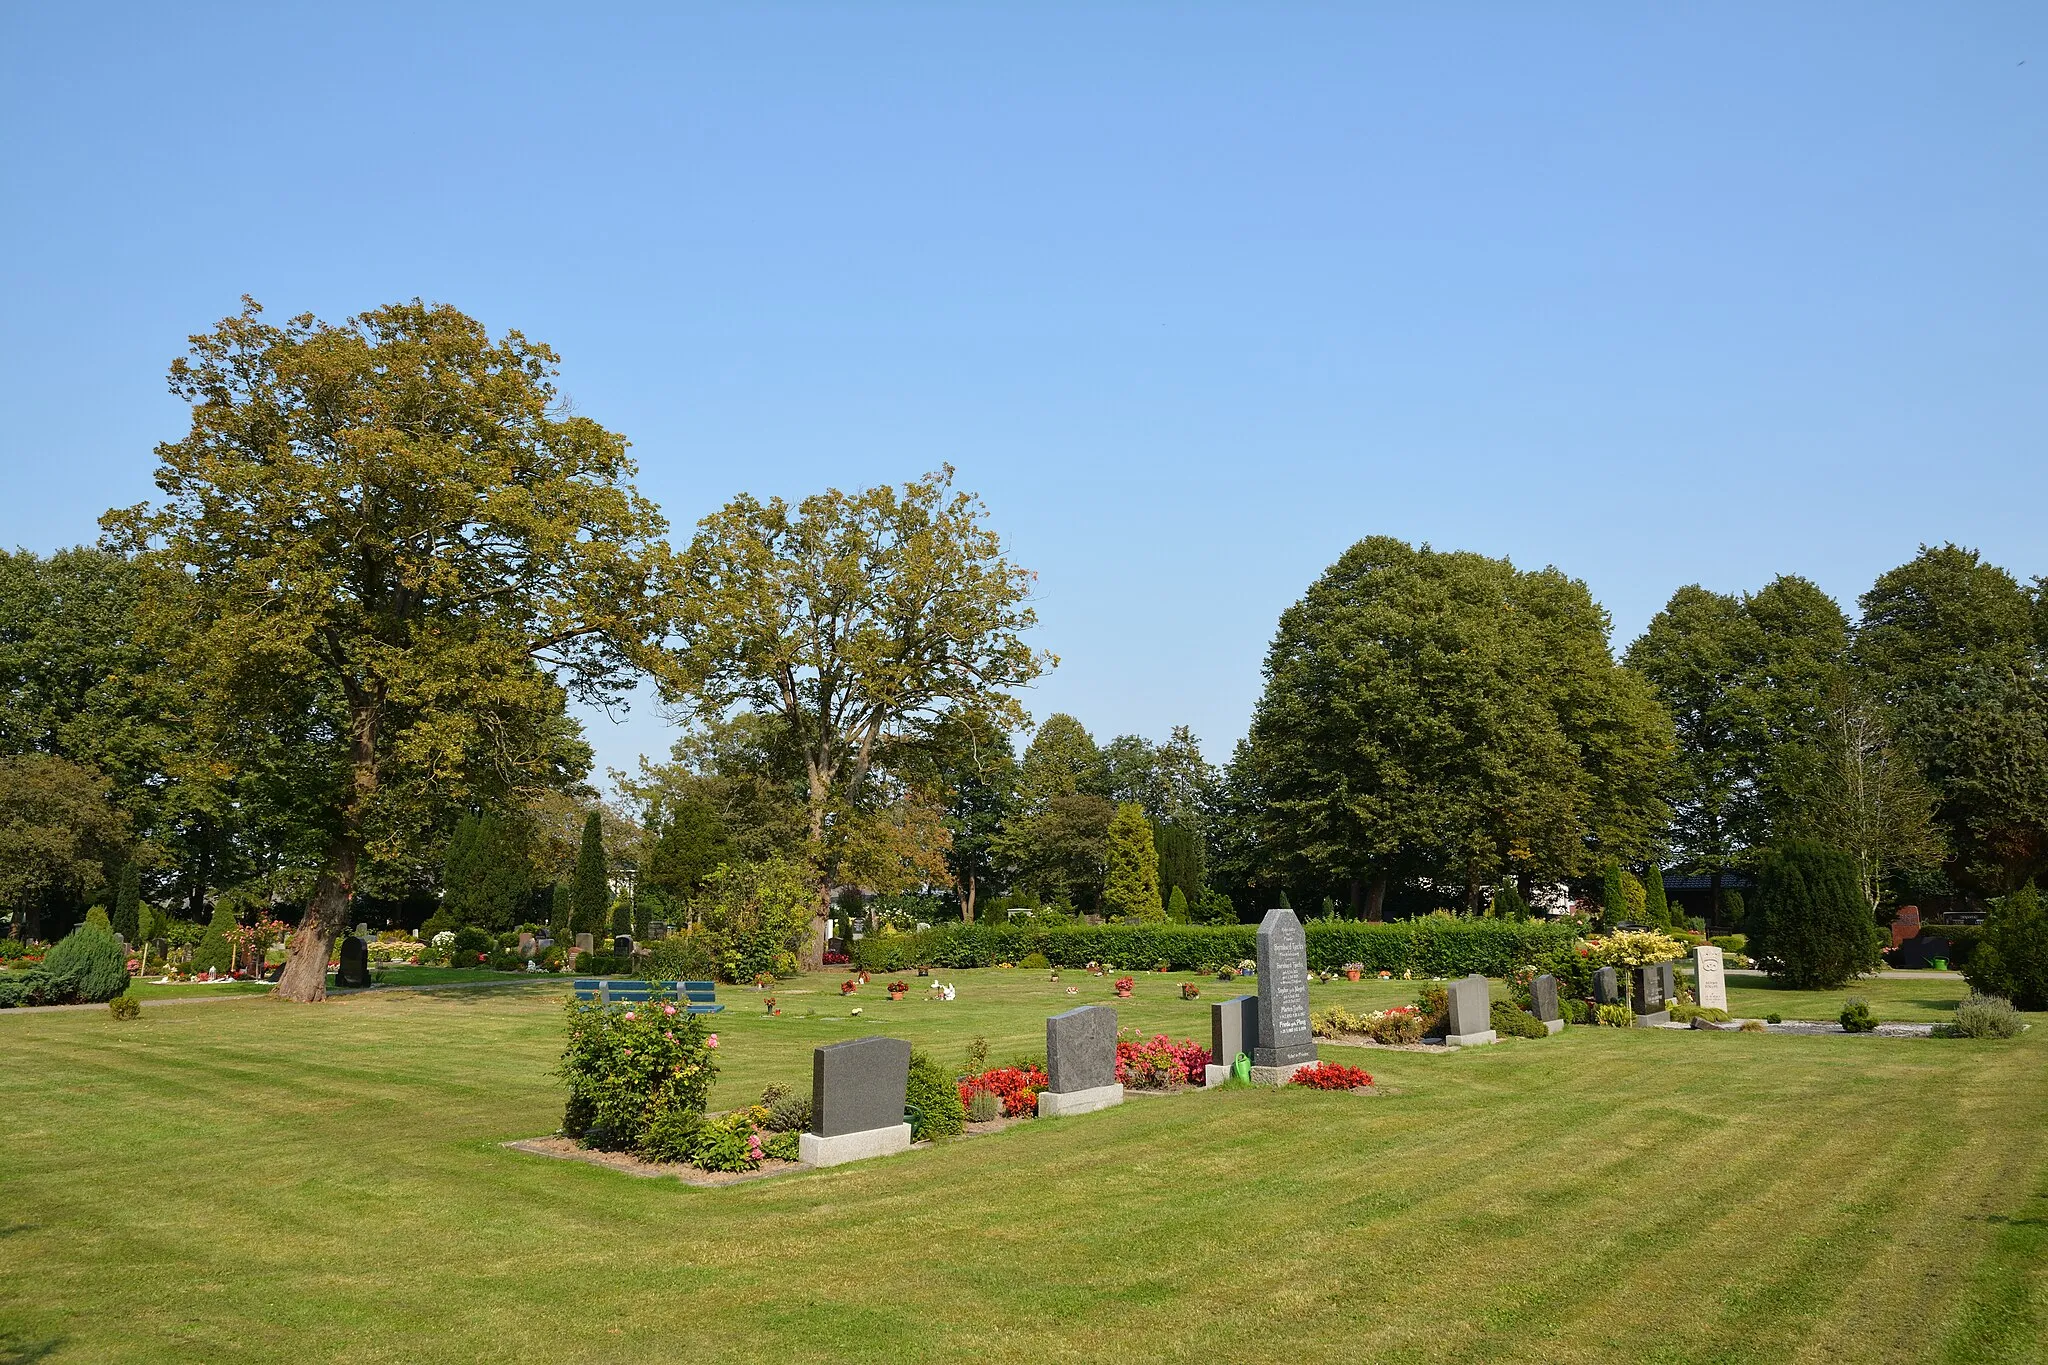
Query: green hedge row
[[1426, 947]]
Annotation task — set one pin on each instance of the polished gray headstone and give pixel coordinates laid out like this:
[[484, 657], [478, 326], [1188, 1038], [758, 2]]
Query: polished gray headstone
[[1233, 1028], [1646, 984], [858, 1086], [1080, 1049], [1543, 998], [1471, 1007], [1284, 1038]]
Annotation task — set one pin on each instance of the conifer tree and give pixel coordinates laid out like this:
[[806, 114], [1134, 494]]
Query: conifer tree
[[1131, 888], [1613, 899], [1177, 906], [561, 915], [215, 950], [128, 904], [96, 917], [1656, 905], [591, 896], [1508, 903], [1812, 928]]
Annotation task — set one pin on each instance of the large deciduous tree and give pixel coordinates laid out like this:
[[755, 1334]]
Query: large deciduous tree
[[1448, 716], [852, 617], [59, 831], [1951, 646], [401, 549]]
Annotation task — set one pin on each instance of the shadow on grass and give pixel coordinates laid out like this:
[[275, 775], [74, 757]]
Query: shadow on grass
[[19, 1351]]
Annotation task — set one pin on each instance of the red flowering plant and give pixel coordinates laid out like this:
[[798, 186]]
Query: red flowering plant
[[837, 959], [628, 1065], [1332, 1076], [1159, 1063], [848, 986], [1016, 1086], [1123, 986]]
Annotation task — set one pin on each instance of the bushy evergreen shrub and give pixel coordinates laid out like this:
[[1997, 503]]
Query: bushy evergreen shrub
[[1510, 1022], [1508, 903], [1656, 905], [1811, 927], [935, 1097], [215, 950], [1856, 1016], [2011, 957], [790, 1113], [125, 1006], [128, 903], [85, 966], [96, 918]]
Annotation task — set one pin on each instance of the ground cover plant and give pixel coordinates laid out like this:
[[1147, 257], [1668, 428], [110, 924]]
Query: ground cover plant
[[366, 1138]]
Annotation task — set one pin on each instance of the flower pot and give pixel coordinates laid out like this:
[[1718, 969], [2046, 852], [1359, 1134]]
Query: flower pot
[[1351, 976]]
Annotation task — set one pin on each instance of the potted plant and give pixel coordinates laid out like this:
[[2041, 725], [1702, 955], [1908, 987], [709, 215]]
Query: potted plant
[[1190, 991], [848, 986], [898, 989], [1123, 987], [1353, 970]]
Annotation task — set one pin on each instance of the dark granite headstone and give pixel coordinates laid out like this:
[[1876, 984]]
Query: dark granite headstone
[[1543, 998], [355, 963], [622, 945], [1471, 1006], [1646, 983], [859, 1086], [1080, 1049], [1284, 1038], [1233, 1028], [1667, 981], [1606, 987]]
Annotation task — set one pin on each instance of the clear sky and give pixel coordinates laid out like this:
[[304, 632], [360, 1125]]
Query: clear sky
[[1195, 296]]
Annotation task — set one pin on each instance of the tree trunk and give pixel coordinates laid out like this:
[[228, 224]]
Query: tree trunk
[[821, 916], [304, 978], [967, 905], [1357, 897], [1376, 899]]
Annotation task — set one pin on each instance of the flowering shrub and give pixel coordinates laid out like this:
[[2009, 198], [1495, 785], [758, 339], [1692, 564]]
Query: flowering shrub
[[1016, 1087], [849, 986], [627, 1066], [1160, 1063], [1123, 986], [1400, 1024], [1190, 991], [837, 959], [1331, 1076]]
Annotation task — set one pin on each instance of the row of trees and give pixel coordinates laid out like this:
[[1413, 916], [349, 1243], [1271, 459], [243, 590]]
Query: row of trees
[[333, 662]]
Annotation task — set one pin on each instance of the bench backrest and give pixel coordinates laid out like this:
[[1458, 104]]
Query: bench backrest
[[635, 992]]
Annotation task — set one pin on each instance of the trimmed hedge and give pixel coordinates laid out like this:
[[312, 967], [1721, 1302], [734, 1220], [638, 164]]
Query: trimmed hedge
[[1426, 947]]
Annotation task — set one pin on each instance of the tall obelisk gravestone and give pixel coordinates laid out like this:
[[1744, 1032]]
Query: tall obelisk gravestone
[[1285, 1044]]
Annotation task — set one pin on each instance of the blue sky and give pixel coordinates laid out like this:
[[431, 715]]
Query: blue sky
[[1195, 296]]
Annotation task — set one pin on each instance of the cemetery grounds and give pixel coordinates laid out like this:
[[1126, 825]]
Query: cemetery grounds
[[249, 1180]]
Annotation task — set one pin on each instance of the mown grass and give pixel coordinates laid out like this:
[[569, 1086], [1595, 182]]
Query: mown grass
[[262, 1181]]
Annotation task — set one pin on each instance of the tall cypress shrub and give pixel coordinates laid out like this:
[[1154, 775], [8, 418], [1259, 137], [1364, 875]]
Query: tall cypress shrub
[[128, 903], [561, 915], [1131, 888], [1177, 906], [591, 895], [1613, 895], [1811, 926], [1180, 862], [1656, 905], [458, 876], [215, 950], [500, 886], [1508, 903]]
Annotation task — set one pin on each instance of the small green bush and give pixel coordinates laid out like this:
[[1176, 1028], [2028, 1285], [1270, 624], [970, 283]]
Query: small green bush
[[605, 964], [86, 966], [1514, 1023], [671, 1135], [1983, 1016], [935, 1097], [984, 1107], [1774, 1018], [783, 1147], [1035, 961], [726, 1143], [1856, 1016], [125, 1007], [1731, 943], [472, 947], [1685, 1014], [1616, 1016], [1575, 1011]]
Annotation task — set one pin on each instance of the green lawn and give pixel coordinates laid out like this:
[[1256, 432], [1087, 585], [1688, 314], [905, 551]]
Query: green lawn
[[262, 1181]]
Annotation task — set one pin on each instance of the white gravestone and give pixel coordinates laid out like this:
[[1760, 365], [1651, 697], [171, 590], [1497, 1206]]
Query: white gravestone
[[1709, 980]]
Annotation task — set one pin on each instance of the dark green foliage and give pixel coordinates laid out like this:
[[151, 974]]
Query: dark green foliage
[[1656, 905], [484, 878], [671, 1135], [790, 1113], [1213, 907], [1811, 927], [128, 903], [690, 955], [125, 1006], [693, 841], [215, 950], [2011, 958], [561, 915], [934, 1097], [1613, 899], [1733, 907], [86, 966], [608, 964], [590, 894], [622, 916], [1427, 947], [1180, 864], [1510, 1022], [24, 987], [1856, 1016], [471, 947], [1177, 906], [1508, 903]]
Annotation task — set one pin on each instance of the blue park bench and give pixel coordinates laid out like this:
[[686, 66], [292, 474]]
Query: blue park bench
[[702, 995]]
